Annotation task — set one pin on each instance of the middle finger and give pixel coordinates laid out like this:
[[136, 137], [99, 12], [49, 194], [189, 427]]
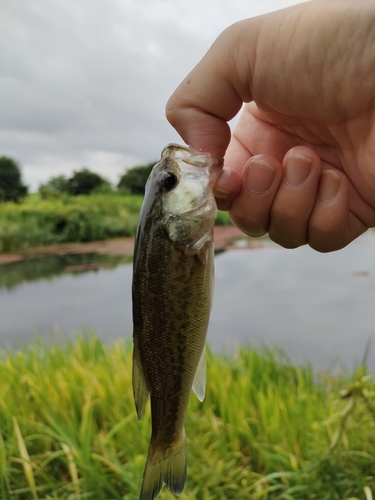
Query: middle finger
[[295, 198]]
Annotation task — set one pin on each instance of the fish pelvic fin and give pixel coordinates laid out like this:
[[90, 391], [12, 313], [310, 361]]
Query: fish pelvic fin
[[199, 384], [169, 467], [140, 390]]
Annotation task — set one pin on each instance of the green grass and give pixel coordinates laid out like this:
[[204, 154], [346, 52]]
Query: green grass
[[35, 222], [67, 219], [266, 430]]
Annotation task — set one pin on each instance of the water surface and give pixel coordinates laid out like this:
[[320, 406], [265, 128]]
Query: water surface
[[318, 307]]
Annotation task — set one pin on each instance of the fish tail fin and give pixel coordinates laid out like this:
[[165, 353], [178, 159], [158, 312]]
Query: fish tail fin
[[169, 467]]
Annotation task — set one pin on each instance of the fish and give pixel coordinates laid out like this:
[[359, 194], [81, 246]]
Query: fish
[[172, 293]]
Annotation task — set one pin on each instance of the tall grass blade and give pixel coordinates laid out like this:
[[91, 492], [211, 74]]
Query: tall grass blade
[[366, 353], [368, 493], [73, 471], [26, 462], [5, 490]]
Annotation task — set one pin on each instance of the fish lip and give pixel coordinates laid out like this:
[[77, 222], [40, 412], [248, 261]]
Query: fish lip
[[187, 153]]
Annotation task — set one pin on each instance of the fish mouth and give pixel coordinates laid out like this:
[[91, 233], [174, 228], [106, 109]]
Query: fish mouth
[[187, 154], [195, 158]]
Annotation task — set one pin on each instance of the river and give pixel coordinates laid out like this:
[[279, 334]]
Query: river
[[317, 307]]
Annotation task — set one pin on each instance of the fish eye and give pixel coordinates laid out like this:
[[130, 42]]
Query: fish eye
[[168, 181]]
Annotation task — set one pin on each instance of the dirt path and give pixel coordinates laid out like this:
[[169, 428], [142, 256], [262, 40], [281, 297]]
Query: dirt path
[[224, 237]]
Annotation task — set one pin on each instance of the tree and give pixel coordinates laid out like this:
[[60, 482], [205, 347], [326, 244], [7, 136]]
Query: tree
[[58, 183], [54, 188], [85, 182], [11, 187], [134, 179]]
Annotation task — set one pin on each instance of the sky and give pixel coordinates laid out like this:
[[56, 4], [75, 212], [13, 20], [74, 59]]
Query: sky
[[84, 83]]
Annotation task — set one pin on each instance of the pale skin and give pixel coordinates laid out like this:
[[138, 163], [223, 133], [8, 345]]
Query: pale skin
[[300, 164]]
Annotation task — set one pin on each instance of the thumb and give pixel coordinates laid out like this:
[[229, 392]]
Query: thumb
[[211, 95]]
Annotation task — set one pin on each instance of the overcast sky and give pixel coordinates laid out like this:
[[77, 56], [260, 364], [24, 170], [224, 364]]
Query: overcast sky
[[85, 82]]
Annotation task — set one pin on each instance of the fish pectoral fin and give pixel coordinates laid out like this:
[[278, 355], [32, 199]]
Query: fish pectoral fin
[[199, 384], [140, 390]]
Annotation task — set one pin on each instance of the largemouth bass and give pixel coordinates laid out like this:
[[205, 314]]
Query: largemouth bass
[[172, 296]]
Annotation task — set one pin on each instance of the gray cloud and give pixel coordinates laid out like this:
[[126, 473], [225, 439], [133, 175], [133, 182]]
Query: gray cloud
[[85, 83]]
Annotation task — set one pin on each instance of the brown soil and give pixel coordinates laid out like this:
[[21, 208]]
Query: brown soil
[[225, 238]]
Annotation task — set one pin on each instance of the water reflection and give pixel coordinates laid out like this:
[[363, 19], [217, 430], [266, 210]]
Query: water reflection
[[68, 301], [50, 266], [316, 306]]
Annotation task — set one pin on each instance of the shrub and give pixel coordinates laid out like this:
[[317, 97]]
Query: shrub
[[67, 219]]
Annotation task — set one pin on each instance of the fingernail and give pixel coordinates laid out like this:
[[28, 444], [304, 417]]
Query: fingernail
[[298, 168], [220, 188], [329, 186], [259, 176]]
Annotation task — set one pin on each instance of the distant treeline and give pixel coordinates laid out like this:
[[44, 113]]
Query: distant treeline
[[82, 182]]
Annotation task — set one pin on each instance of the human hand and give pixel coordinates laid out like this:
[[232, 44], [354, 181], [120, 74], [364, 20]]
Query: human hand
[[301, 161]]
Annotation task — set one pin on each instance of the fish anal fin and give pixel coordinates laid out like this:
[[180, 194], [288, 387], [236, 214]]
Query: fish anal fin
[[199, 384], [140, 390], [169, 467]]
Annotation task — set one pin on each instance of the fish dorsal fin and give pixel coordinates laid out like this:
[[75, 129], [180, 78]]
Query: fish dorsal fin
[[140, 389], [199, 384]]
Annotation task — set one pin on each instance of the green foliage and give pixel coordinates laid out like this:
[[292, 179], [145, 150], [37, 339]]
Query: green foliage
[[54, 188], [84, 182], [68, 428], [11, 187], [58, 183], [69, 219], [134, 179], [59, 218], [222, 218]]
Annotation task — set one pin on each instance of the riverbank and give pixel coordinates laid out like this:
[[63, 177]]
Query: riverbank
[[266, 429], [225, 238]]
